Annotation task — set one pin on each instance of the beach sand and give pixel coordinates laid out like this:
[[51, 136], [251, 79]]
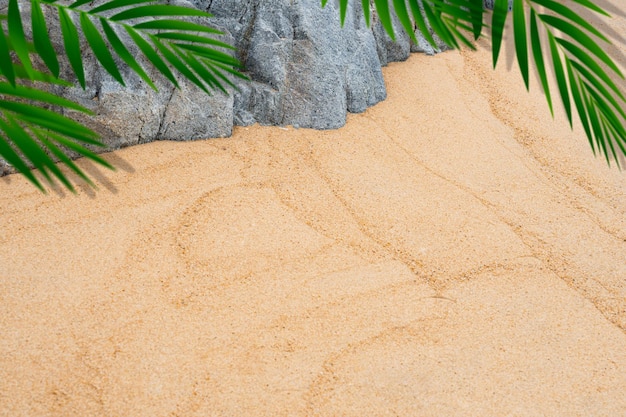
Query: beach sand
[[451, 251]]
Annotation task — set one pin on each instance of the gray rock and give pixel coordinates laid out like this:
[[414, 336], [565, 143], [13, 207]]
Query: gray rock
[[390, 50], [135, 113], [425, 47], [305, 70]]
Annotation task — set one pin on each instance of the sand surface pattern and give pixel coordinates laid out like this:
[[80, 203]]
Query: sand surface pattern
[[451, 251]]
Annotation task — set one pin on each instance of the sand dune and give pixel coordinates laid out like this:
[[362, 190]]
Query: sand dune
[[451, 251]]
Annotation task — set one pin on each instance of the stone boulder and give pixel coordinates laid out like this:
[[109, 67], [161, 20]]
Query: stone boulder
[[305, 70]]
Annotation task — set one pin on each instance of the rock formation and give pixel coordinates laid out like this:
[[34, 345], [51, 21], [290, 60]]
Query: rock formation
[[305, 70]]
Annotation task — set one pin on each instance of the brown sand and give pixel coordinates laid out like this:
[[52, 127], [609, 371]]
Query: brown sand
[[452, 251]]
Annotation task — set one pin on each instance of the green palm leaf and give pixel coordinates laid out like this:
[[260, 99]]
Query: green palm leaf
[[584, 58], [578, 60], [99, 47], [200, 69], [538, 57], [581, 37], [497, 27], [12, 157], [35, 75], [477, 20], [176, 25], [76, 147], [438, 24], [580, 105], [28, 130], [17, 37], [403, 15], [560, 77], [598, 86], [588, 4], [50, 120], [153, 11], [571, 15], [173, 45], [116, 4], [123, 53], [218, 70], [343, 9], [72, 45], [418, 14], [6, 67], [38, 95], [42, 42], [177, 63], [31, 149], [181, 36], [76, 4], [382, 7], [521, 42], [596, 125], [58, 152], [150, 53], [32, 135], [155, 36]]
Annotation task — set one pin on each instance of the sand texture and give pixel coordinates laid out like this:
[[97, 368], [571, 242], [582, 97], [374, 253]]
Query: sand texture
[[452, 251]]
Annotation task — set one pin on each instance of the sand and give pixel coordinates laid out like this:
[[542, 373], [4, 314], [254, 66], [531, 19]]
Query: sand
[[451, 251]]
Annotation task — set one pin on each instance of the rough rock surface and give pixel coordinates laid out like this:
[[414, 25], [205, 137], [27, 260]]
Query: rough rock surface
[[305, 70]]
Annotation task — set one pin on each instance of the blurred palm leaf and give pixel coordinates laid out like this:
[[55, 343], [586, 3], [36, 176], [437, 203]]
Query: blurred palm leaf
[[22, 117], [584, 73], [30, 133]]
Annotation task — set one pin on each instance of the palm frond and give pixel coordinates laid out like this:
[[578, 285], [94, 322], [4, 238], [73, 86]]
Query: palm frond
[[17, 37], [584, 72], [539, 60], [498, 22], [163, 35], [155, 29], [521, 38], [41, 39], [30, 133], [6, 66], [23, 119]]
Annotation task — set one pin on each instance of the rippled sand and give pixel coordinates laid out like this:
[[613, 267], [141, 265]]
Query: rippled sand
[[451, 251]]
